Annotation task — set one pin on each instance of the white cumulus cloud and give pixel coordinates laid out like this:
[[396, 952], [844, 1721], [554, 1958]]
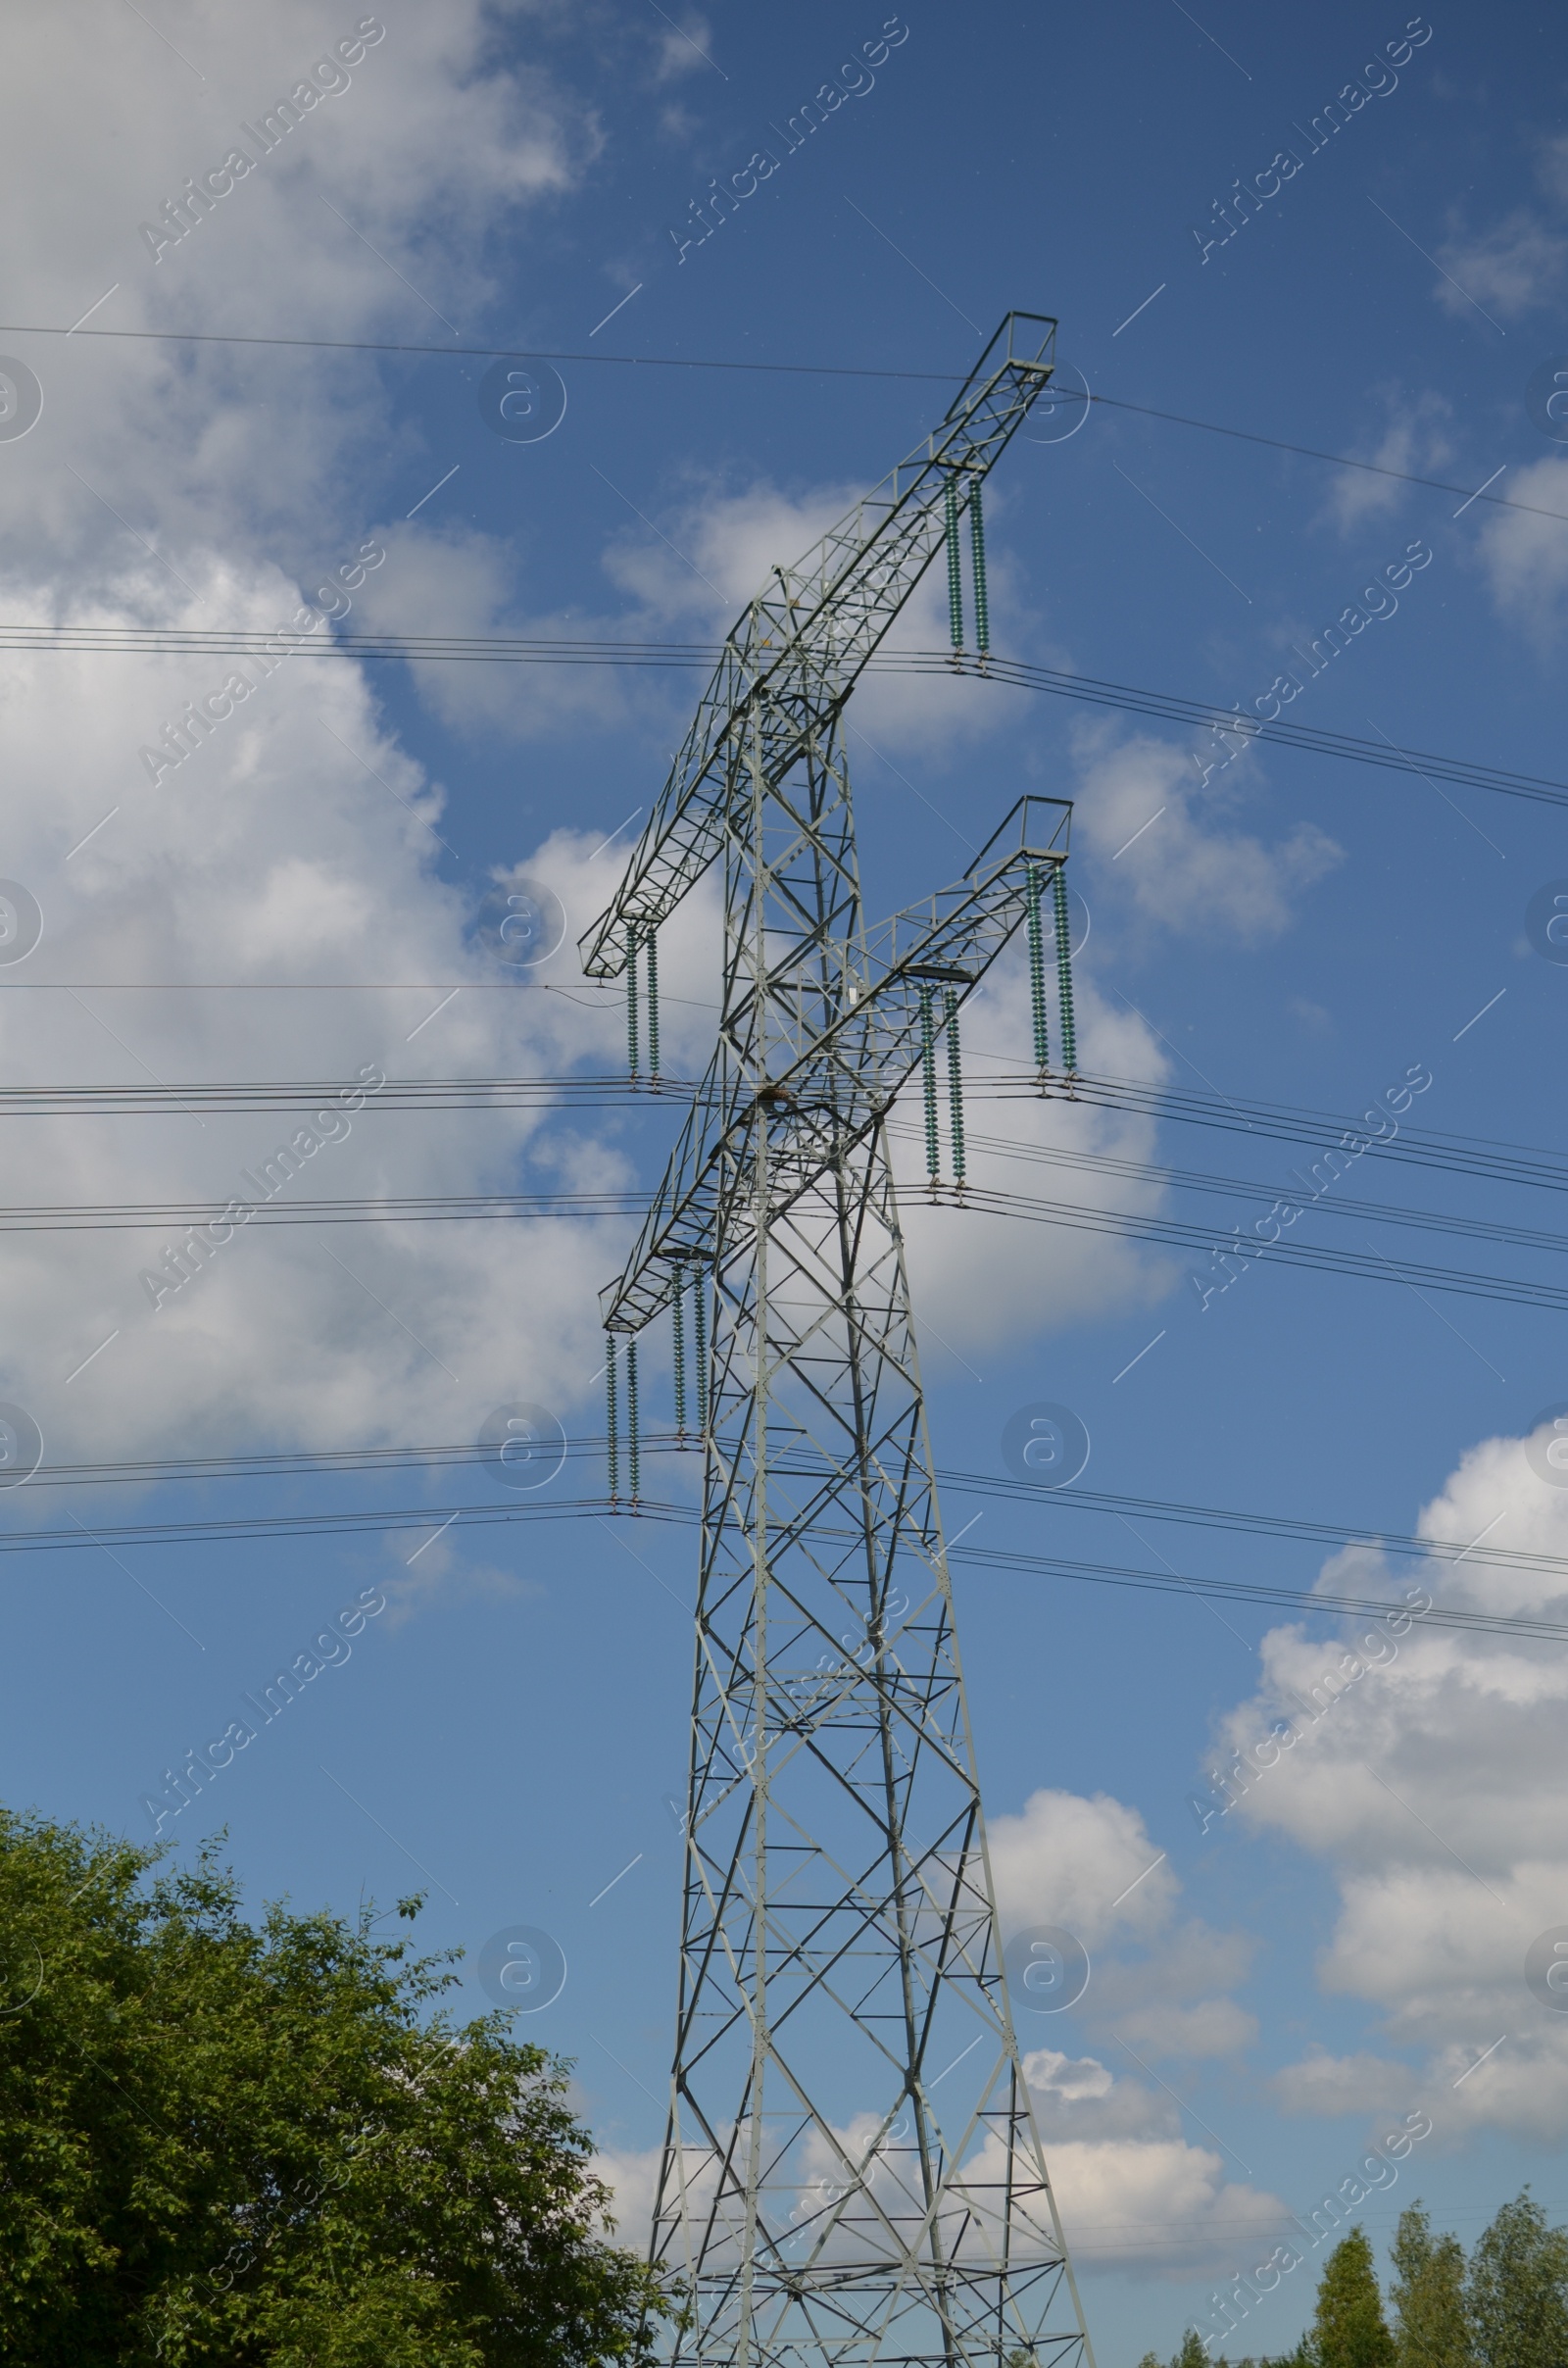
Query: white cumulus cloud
[[1418, 1768], [1168, 845]]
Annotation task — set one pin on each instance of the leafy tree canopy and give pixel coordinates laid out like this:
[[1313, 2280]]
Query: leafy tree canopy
[[223, 2143], [1432, 2326], [1348, 2323], [1517, 2290]]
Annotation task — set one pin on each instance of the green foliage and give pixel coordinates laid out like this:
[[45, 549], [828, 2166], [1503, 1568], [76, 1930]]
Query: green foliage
[[1432, 2325], [1348, 2323], [223, 2145], [1518, 2289]]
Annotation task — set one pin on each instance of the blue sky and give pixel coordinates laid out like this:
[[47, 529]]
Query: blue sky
[[1332, 1955]]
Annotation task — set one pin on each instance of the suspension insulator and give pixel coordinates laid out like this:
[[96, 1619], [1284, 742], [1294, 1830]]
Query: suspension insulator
[[611, 1422], [677, 1326], [651, 987], [1037, 974], [1058, 893], [633, 1442], [700, 1325], [955, 1086], [633, 1058], [928, 1065], [955, 567], [977, 555]]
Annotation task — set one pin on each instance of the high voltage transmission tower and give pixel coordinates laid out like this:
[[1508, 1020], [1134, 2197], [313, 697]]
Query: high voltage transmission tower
[[851, 2171]]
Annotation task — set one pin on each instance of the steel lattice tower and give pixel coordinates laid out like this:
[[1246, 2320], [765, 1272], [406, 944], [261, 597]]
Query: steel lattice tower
[[852, 2173]]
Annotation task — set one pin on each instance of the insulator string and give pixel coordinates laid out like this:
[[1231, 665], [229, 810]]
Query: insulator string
[[928, 1065], [955, 567], [1058, 893], [677, 1322], [611, 1424], [1037, 974], [651, 988], [633, 1438], [955, 1086], [977, 553], [700, 1315], [633, 1061]]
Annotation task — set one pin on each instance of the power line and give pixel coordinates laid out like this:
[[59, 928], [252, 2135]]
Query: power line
[[482, 353], [1317, 1258], [240, 1527], [1281, 732], [408, 1094], [807, 370], [1382, 1212], [515, 1207], [1167, 707], [1311, 452], [328, 1462], [1329, 1133], [1226, 1520], [129, 1217]]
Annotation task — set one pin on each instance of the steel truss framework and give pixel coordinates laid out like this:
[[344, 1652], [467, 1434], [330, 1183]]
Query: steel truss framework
[[851, 2172]]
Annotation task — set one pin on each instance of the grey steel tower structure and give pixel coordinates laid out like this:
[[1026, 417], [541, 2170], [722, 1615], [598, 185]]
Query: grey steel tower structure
[[851, 2171]]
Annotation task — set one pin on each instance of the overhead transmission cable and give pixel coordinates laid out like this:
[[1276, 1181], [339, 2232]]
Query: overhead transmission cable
[[793, 369], [337, 1463], [239, 1527], [1299, 1196], [1096, 691]]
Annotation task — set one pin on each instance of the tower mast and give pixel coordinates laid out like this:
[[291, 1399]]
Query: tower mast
[[850, 2172]]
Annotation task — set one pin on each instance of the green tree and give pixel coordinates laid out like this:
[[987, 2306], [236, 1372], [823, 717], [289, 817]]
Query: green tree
[[1518, 2289], [238, 2145], [1433, 2323], [1348, 2323]]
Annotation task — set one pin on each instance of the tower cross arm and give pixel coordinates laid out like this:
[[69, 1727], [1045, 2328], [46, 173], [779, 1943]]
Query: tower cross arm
[[847, 1071], [794, 654]]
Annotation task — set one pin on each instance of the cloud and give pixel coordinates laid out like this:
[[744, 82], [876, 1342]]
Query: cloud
[[1141, 808], [199, 486], [1133, 2195], [207, 447], [1514, 268], [682, 48], [982, 1280], [1335, 2085], [1151, 2206], [467, 581], [1156, 1981], [1414, 441], [294, 846], [430, 1569], [1415, 1774], [1525, 554], [1087, 1865], [700, 558]]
